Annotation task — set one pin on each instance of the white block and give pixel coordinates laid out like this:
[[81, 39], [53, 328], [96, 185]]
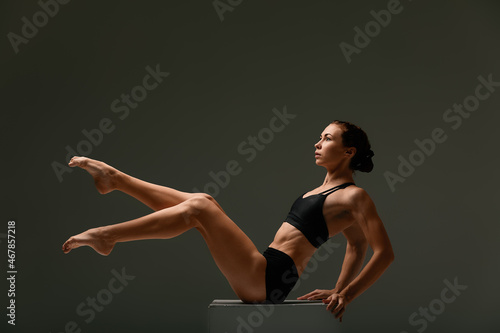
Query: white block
[[234, 316]]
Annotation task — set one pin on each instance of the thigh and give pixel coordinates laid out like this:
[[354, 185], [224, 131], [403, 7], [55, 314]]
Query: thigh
[[234, 253]]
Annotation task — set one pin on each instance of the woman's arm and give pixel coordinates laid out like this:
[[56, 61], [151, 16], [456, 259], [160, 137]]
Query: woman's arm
[[377, 237], [354, 256], [366, 216]]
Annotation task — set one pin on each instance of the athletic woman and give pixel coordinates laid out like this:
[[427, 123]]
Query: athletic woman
[[336, 206]]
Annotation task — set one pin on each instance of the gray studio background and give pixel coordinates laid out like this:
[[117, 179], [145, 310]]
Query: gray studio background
[[226, 77]]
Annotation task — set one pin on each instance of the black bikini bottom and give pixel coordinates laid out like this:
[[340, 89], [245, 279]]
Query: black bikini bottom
[[281, 275]]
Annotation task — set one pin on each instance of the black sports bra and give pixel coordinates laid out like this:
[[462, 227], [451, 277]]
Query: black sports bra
[[306, 215]]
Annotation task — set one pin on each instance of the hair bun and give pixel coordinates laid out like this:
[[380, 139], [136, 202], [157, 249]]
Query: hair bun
[[370, 153]]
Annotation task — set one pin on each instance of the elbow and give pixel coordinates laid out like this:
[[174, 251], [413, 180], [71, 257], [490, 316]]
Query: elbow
[[363, 248], [389, 255], [358, 248]]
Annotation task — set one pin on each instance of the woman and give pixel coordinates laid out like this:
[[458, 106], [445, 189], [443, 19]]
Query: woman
[[335, 206]]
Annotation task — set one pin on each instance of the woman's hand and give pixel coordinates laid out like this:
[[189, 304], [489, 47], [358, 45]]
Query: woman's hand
[[336, 304], [317, 294]]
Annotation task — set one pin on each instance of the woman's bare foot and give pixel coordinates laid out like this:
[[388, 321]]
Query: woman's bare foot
[[95, 238], [103, 174]]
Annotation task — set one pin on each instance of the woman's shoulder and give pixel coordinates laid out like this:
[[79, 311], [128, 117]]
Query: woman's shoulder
[[350, 197], [357, 196]]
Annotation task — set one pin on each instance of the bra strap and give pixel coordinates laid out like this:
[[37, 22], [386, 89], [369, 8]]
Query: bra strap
[[338, 187]]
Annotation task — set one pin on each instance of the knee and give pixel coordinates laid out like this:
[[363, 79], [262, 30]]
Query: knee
[[206, 196], [198, 203]]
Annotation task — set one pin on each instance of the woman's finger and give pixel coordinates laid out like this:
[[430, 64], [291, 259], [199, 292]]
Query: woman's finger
[[330, 305], [340, 314], [307, 295], [314, 295], [340, 301]]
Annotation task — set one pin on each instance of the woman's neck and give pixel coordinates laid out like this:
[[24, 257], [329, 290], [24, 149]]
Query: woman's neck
[[337, 177]]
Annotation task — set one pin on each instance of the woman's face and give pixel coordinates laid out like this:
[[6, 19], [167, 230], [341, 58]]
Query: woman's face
[[330, 150]]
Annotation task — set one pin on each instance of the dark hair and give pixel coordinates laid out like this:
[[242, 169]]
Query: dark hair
[[354, 136]]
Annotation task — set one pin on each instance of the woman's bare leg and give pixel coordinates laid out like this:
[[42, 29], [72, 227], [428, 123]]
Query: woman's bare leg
[[163, 224], [107, 179], [234, 253]]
